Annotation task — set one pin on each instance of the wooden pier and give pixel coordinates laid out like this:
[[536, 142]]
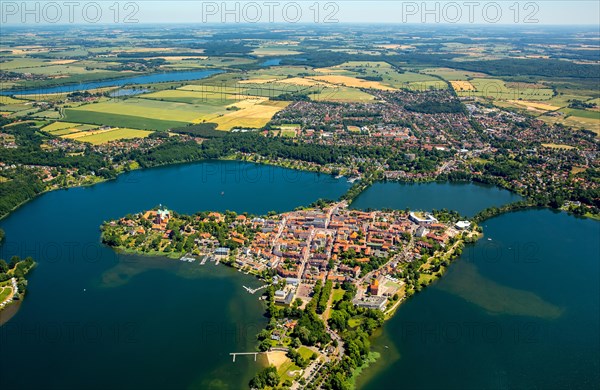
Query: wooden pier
[[234, 354]]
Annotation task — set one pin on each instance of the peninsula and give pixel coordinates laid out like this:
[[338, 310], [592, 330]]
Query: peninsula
[[333, 274], [12, 280]]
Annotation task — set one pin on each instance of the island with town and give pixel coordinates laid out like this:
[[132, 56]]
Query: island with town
[[332, 274]]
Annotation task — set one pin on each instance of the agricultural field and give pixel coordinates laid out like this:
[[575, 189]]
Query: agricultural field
[[577, 122], [199, 62], [462, 85], [59, 126], [281, 72], [558, 146], [499, 90], [535, 105], [349, 81], [275, 50], [390, 77], [305, 82], [6, 100], [64, 128], [249, 113], [209, 98], [587, 114], [117, 120], [145, 114], [341, 94], [15, 64], [453, 74], [147, 108], [104, 136]]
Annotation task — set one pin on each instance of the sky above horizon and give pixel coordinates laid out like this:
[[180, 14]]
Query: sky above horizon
[[509, 12]]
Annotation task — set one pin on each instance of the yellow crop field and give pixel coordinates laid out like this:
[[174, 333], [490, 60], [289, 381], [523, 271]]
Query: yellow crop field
[[82, 134], [62, 62], [9, 100], [349, 81], [59, 126], [558, 146], [305, 82], [535, 105], [333, 69], [396, 46], [275, 51], [252, 113], [103, 136], [256, 81], [462, 85]]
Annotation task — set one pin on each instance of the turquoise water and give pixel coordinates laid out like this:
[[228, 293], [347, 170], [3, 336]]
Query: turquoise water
[[467, 199], [519, 311], [145, 79], [96, 319]]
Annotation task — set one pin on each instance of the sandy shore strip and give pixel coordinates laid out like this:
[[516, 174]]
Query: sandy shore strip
[[276, 358]]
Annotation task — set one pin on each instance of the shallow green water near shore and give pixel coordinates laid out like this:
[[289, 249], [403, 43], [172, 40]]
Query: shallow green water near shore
[[519, 311]]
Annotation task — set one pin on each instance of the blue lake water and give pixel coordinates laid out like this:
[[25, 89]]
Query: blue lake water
[[144, 79], [96, 319], [467, 199], [518, 311]]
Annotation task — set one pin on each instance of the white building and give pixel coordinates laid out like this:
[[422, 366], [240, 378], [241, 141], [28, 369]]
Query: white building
[[463, 225]]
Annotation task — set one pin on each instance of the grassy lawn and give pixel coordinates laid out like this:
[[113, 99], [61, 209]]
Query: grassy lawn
[[338, 294], [288, 133], [355, 321], [285, 368], [4, 293], [305, 352], [426, 278]]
